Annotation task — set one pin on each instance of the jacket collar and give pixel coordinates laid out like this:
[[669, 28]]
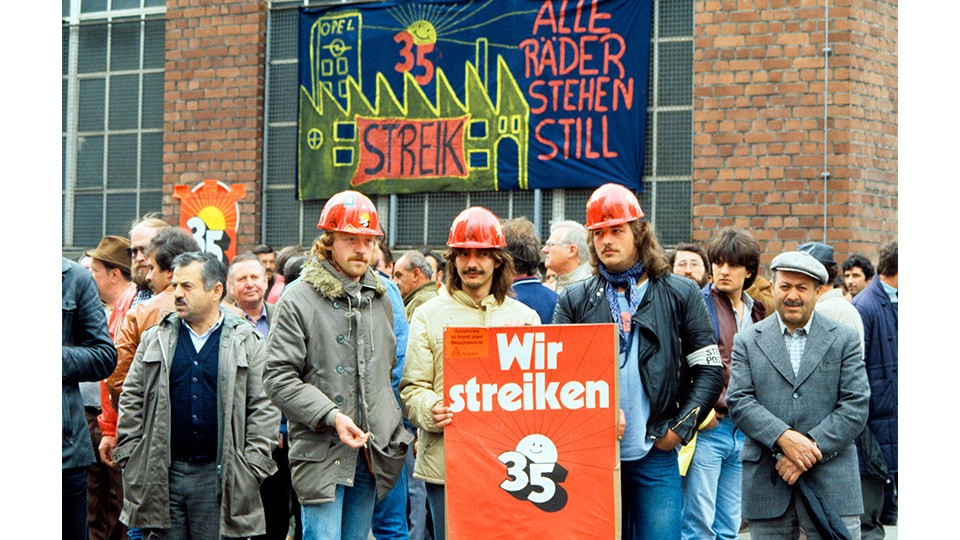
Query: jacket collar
[[489, 301], [330, 283]]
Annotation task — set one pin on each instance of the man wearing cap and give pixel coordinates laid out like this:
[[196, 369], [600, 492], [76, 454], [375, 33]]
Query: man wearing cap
[[476, 295], [798, 390], [329, 356], [669, 364], [110, 267]]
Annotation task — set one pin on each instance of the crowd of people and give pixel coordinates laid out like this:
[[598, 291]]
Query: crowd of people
[[299, 394]]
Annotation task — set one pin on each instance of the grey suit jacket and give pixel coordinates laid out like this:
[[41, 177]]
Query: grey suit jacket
[[828, 400]]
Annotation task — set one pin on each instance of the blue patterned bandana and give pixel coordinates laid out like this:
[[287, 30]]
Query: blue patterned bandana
[[628, 279]]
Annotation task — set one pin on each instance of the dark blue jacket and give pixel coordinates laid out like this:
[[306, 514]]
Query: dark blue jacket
[[88, 355], [879, 316], [536, 296]]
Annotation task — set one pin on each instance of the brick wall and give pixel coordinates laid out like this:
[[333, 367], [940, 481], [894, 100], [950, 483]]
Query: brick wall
[[758, 122], [213, 95]]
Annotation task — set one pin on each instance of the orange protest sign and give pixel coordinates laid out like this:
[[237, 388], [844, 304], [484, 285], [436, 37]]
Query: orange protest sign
[[209, 210], [532, 450]]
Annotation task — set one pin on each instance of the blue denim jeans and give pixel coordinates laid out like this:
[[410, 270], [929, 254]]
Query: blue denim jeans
[[650, 496], [390, 512], [74, 505], [436, 499], [350, 514], [711, 488]]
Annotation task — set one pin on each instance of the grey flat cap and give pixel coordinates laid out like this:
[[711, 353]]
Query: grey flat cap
[[820, 251], [799, 261]]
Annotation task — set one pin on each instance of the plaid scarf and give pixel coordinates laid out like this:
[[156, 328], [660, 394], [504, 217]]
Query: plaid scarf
[[628, 279]]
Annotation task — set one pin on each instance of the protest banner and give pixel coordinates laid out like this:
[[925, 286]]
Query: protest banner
[[427, 96], [532, 450]]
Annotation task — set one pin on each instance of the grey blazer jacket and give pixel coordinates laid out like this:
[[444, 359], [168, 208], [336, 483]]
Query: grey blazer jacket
[[828, 400]]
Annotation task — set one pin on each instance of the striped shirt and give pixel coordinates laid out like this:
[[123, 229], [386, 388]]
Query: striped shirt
[[795, 341]]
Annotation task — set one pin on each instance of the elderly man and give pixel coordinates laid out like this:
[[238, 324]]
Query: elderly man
[[798, 390], [566, 253], [247, 285], [413, 274], [329, 359], [196, 428], [669, 366], [480, 276]]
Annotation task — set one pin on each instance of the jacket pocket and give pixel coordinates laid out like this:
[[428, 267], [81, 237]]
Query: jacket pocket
[[69, 312]]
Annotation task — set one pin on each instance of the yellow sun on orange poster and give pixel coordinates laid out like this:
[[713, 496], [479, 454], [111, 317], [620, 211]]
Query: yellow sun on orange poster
[[209, 211], [532, 447]]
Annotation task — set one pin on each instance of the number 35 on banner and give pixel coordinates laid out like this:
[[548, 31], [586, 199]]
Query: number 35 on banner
[[535, 432]]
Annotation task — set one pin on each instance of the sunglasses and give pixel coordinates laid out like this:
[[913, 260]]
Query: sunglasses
[[134, 251]]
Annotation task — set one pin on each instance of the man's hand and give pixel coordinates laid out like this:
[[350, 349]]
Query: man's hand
[[801, 450], [349, 433], [107, 444], [788, 470], [442, 416], [669, 441], [621, 425]]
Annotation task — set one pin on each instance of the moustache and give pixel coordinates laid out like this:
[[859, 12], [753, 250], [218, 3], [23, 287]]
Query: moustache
[[793, 303], [180, 302]]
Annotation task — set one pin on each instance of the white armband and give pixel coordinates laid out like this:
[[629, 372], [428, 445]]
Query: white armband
[[707, 356]]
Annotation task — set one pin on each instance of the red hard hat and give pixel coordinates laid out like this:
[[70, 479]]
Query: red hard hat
[[478, 228], [350, 212], [612, 204]]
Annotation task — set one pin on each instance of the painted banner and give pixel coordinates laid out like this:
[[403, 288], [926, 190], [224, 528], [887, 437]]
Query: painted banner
[[209, 211], [532, 450], [454, 95]]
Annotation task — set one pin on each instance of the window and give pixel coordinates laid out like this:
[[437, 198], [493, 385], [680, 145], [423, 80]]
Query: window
[[112, 123], [424, 218]]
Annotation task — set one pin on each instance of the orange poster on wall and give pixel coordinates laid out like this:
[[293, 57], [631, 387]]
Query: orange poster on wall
[[209, 210], [532, 450]]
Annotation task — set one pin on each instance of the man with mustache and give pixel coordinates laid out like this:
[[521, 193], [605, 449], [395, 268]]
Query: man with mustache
[[330, 354], [798, 390], [711, 486], [160, 252], [669, 365], [691, 261], [196, 428], [476, 295]]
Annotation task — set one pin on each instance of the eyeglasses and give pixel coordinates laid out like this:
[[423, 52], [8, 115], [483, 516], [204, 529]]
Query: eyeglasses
[[134, 251], [554, 244], [693, 265]]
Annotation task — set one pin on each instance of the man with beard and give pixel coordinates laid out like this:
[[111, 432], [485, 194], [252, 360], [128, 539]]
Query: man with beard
[[160, 252], [481, 274], [669, 365], [329, 358], [690, 261]]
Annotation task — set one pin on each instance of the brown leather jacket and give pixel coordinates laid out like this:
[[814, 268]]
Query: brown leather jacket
[[138, 320]]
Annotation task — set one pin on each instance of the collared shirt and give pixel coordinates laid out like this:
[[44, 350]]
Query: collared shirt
[[198, 341], [891, 292], [142, 296], [744, 322], [795, 341], [261, 323]]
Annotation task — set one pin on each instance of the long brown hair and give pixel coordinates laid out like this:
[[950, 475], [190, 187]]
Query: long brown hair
[[503, 274], [655, 261]]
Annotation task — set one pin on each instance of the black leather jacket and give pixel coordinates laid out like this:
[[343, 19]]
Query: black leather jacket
[[673, 323]]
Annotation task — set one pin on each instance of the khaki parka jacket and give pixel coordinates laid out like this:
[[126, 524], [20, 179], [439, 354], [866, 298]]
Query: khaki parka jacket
[[421, 387], [247, 428], [331, 348]]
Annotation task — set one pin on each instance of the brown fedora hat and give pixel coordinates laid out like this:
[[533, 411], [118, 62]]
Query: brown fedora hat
[[113, 250]]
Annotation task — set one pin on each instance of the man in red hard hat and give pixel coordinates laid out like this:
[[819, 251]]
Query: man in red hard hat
[[481, 273], [330, 352], [670, 370]]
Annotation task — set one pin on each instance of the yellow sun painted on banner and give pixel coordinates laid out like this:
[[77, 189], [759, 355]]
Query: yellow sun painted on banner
[[213, 217], [422, 32]]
